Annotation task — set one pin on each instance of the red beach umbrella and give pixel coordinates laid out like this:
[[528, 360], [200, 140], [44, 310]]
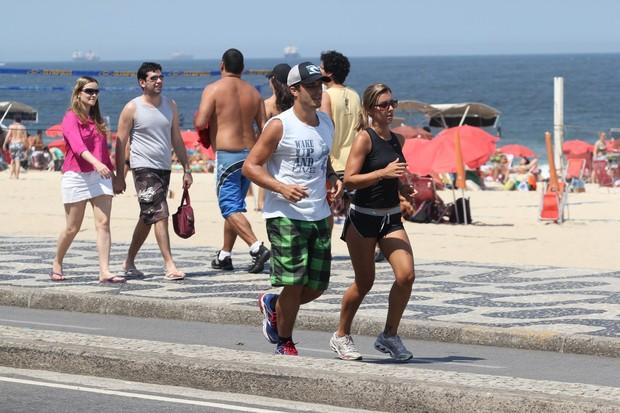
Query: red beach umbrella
[[190, 138], [58, 143], [412, 132], [477, 146], [55, 130], [577, 147], [418, 154], [517, 150]]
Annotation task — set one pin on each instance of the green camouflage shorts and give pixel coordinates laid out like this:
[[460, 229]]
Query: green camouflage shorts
[[300, 252]]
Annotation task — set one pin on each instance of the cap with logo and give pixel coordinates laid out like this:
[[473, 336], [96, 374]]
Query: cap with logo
[[305, 72], [280, 72]]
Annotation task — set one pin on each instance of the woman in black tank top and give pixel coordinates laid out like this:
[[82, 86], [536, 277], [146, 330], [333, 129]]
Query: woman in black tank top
[[373, 169]]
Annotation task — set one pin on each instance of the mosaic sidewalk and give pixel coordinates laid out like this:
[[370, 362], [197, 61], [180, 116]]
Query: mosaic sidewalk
[[563, 300]]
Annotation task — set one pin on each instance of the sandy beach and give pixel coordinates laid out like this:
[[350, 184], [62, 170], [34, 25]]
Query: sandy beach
[[505, 229]]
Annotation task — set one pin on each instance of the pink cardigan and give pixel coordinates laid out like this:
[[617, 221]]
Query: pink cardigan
[[80, 137]]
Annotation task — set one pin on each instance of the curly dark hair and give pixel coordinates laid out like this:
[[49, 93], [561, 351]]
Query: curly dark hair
[[337, 64]]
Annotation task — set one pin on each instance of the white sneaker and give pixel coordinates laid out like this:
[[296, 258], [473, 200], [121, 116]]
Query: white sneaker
[[344, 347], [394, 346]]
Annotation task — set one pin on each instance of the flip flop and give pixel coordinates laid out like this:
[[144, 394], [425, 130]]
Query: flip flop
[[174, 276], [134, 273], [56, 276], [117, 279]]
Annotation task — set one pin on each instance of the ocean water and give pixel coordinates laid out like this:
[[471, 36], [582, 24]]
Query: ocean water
[[520, 86]]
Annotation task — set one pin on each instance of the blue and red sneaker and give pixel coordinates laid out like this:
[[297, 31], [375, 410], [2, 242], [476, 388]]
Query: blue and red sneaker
[[267, 305], [286, 349]]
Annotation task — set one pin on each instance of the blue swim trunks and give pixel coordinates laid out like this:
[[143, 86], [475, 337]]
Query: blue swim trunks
[[232, 186]]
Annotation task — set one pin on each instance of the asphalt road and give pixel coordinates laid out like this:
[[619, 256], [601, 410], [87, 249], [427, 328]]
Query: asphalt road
[[540, 365], [32, 391]]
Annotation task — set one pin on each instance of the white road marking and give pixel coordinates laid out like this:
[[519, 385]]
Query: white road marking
[[374, 356], [139, 396], [49, 324]]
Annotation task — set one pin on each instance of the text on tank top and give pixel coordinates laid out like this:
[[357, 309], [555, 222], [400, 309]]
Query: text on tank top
[[151, 135], [383, 194], [300, 158]]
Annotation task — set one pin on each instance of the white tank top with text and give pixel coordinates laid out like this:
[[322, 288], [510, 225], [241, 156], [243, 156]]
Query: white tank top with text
[[300, 158]]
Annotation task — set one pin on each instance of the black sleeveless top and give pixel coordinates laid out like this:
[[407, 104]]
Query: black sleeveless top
[[383, 194]]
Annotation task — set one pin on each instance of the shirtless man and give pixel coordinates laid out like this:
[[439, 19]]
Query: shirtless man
[[230, 107], [16, 140]]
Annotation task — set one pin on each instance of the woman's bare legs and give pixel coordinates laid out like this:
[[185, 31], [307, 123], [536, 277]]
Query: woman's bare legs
[[362, 252], [74, 215], [397, 249], [102, 208]]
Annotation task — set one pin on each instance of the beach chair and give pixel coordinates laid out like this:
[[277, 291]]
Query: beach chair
[[575, 168], [602, 175], [553, 204]]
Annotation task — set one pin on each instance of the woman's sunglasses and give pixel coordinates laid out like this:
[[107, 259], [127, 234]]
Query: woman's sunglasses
[[384, 105], [91, 92]]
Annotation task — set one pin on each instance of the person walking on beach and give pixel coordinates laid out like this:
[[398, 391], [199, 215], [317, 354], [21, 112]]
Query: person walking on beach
[[16, 141], [230, 107], [343, 106], [373, 169], [151, 122], [87, 177], [291, 161]]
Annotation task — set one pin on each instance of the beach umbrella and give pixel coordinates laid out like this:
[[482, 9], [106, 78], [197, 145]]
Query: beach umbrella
[[517, 150], [577, 147], [476, 146], [58, 143], [10, 109], [55, 130], [418, 154], [190, 138], [412, 132]]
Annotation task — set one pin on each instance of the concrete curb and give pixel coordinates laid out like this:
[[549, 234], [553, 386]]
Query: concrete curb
[[308, 380], [520, 338]]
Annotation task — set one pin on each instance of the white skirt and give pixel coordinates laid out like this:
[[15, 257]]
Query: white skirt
[[80, 186]]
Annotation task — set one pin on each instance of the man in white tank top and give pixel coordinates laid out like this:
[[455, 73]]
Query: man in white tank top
[[291, 161], [152, 123]]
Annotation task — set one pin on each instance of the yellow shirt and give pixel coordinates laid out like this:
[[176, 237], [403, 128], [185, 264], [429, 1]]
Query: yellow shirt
[[346, 109]]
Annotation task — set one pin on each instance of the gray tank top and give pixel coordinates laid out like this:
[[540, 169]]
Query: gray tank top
[[151, 135]]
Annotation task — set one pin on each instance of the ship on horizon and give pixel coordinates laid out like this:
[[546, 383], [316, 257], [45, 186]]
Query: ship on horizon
[[88, 56], [291, 52], [181, 56]]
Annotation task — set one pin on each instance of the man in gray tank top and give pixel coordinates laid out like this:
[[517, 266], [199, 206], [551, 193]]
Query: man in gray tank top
[[151, 123]]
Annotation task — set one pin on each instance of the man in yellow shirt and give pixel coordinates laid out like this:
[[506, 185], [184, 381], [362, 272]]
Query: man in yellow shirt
[[343, 106]]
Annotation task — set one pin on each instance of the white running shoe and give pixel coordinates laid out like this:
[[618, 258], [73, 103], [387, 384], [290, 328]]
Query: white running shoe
[[394, 346], [344, 347]]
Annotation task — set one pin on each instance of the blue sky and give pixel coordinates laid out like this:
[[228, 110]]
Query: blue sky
[[45, 30]]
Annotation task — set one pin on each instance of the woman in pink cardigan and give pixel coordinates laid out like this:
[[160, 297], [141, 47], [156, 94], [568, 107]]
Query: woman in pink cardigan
[[87, 176]]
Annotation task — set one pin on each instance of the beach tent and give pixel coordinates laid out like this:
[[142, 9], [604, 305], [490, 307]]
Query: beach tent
[[10, 109], [447, 115]]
